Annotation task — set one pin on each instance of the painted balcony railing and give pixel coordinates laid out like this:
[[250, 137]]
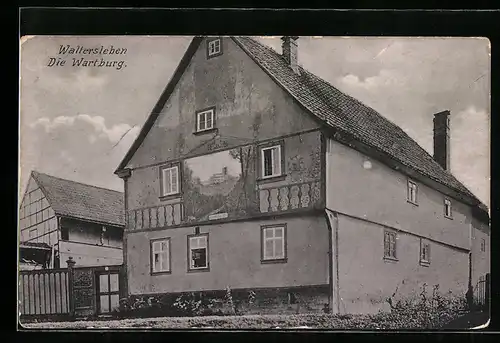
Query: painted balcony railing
[[155, 217], [290, 197]]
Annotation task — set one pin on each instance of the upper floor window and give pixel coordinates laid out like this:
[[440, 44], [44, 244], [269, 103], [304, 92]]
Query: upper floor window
[[64, 233], [169, 180], [271, 161], [198, 251], [390, 245], [425, 252], [483, 245], [447, 208], [214, 47], [274, 243], [160, 255], [412, 192], [205, 120]]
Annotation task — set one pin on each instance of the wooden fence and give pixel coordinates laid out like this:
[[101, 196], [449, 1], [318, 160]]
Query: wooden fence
[[44, 292], [482, 292]]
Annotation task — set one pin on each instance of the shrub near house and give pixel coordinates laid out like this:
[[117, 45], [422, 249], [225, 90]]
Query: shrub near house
[[424, 311]]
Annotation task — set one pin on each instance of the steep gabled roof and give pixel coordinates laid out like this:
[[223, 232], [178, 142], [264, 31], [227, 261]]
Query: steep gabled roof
[[332, 108], [81, 201]]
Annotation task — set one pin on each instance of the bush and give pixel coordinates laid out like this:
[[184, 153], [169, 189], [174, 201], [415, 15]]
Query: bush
[[426, 310], [427, 313]]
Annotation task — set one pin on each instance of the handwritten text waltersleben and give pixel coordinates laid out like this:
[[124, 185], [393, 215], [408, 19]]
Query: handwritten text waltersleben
[[87, 61]]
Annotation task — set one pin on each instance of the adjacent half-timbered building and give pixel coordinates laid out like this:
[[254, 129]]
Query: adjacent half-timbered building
[[254, 174], [60, 218]]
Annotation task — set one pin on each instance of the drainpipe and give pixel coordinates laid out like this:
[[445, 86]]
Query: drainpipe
[[124, 175], [332, 222]]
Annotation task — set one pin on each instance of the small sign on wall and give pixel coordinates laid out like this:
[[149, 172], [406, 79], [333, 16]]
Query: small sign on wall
[[217, 216]]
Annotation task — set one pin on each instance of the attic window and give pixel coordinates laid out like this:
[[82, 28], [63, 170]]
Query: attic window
[[214, 47], [205, 120]]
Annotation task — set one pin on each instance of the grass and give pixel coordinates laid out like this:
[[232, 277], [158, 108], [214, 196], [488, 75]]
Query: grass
[[382, 321]]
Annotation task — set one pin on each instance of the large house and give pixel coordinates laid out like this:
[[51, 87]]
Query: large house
[[333, 206], [60, 218]]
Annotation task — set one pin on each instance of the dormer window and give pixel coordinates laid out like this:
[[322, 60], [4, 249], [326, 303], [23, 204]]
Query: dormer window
[[447, 208], [205, 120], [214, 47]]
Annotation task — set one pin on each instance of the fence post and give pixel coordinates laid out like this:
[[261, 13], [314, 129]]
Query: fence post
[[71, 263]]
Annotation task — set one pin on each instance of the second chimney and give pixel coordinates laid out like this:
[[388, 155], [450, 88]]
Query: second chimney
[[289, 51], [442, 139]]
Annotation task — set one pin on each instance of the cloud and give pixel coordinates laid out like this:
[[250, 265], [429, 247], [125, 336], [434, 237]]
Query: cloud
[[97, 123], [385, 78], [82, 148]]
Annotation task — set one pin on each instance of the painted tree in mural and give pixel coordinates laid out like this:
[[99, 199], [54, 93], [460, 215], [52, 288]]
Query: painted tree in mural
[[229, 191], [245, 196]]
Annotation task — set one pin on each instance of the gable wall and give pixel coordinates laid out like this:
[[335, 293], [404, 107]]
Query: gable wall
[[249, 106], [480, 259], [35, 213], [247, 103]]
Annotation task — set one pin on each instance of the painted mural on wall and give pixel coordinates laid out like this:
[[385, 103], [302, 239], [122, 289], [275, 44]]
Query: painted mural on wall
[[220, 185]]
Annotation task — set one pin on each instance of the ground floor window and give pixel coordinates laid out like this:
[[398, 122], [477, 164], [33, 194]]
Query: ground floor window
[[198, 251], [390, 244], [273, 243], [160, 255]]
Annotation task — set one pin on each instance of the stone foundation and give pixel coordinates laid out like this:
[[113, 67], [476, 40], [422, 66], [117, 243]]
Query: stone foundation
[[293, 300]]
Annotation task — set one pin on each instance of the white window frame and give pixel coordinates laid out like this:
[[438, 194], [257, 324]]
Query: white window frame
[[447, 206], [164, 175], [389, 248], [483, 245], [412, 189], [157, 248], [201, 242], [423, 245], [199, 121], [263, 162], [212, 45], [275, 239]]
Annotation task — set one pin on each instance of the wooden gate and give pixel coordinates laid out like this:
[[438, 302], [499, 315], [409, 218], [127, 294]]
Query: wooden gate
[[96, 290], [108, 291], [44, 293]]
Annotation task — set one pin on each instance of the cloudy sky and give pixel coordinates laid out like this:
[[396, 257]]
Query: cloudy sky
[[78, 122]]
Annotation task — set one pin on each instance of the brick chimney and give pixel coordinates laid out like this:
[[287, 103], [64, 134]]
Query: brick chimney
[[442, 139], [289, 51]]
